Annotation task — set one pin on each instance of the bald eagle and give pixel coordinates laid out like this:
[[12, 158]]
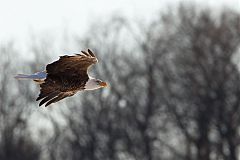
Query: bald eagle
[[65, 77]]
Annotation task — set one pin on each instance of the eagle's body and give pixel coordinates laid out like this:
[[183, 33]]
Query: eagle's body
[[65, 77]]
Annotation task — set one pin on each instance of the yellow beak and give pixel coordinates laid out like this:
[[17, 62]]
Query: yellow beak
[[103, 84]]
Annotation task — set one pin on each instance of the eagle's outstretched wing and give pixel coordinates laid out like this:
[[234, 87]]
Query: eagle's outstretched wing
[[65, 77], [72, 65]]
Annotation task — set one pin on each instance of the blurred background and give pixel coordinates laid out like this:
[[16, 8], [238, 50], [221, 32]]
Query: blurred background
[[173, 74]]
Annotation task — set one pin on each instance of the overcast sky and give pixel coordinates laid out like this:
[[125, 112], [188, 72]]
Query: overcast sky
[[18, 18]]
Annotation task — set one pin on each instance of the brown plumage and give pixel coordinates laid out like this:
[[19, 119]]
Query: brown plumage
[[65, 77]]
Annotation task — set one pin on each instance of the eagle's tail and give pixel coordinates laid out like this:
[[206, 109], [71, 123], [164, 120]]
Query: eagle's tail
[[39, 76]]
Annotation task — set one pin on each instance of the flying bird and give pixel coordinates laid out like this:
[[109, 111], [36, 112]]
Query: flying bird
[[65, 77]]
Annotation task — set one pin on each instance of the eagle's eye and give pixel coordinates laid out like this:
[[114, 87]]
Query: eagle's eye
[[98, 81]]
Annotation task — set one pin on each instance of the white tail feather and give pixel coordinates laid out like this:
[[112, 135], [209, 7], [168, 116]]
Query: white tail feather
[[36, 76]]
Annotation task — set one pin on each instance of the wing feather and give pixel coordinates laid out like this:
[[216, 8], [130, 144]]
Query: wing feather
[[85, 53], [58, 98], [91, 53], [49, 97]]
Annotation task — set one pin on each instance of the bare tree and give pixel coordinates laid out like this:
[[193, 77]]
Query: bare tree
[[15, 141], [202, 90]]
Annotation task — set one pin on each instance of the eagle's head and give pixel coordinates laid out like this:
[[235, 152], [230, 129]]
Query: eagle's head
[[94, 83]]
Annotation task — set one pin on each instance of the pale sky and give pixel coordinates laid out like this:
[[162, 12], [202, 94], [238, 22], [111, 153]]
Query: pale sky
[[19, 18]]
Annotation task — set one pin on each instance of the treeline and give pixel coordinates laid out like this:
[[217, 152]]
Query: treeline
[[174, 94]]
